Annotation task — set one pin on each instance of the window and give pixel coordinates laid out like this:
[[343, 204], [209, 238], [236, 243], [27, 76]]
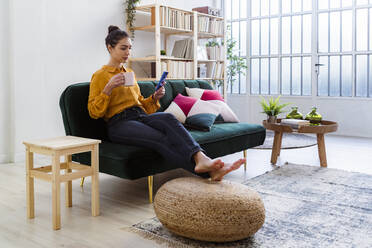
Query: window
[[287, 55]]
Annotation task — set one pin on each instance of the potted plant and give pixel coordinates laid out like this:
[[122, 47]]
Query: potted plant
[[272, 108]]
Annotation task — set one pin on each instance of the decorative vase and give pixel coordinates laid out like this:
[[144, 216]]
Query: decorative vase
[[314, 117], [294, 114], [271, 118]]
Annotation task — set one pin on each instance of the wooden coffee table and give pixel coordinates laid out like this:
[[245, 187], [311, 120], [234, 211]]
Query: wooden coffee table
[[320, 130]]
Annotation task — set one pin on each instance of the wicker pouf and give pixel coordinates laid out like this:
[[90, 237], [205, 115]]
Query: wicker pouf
[[210, 211]]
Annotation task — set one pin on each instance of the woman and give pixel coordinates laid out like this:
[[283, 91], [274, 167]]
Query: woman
[[131, 118]]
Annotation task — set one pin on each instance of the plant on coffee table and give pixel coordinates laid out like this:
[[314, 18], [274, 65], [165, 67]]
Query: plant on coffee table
[[272, 108]]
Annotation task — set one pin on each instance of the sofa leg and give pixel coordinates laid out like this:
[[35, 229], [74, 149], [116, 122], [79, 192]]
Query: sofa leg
[[245, 156], [150, 180], [82, 182]]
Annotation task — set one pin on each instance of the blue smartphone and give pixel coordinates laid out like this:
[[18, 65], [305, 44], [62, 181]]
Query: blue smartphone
[[165, 74]]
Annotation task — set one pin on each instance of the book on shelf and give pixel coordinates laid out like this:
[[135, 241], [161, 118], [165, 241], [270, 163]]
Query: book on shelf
[[208, 25], [178, 69], [183, 49], [202, 71], [211, 68], [173, 18]]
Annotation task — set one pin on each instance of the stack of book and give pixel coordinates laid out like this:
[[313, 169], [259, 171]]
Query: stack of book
[[178, 69], [183, 49], [173, 18], [208, 25], [295, 123]]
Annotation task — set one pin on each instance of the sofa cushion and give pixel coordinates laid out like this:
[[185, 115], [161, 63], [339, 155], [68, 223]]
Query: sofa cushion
[[147, 88], [213, 96], [134, 162], [194, 113], [228, 138], [73, 103]]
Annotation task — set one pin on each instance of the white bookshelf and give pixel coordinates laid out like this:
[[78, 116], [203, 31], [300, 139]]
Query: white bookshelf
[[170, 21]]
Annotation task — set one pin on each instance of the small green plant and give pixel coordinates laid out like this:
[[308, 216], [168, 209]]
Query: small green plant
[[162, 52], [211, 43], [272, 107]]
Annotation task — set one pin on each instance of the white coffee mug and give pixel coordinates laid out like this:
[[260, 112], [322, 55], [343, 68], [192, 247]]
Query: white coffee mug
[[129, 78]]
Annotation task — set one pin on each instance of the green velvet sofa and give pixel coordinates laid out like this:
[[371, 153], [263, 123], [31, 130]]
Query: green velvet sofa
[[132, 162]]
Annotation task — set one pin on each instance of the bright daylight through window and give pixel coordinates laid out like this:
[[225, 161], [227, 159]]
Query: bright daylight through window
[[303, 47]]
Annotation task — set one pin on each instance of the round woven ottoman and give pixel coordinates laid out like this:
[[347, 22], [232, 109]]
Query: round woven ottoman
[[207, 210]]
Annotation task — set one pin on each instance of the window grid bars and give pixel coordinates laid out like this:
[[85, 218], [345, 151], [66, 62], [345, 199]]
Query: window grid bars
[[280, 16], [341, 46], [354, 53]]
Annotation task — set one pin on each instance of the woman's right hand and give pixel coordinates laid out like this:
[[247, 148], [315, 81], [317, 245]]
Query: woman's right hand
[[115, 81]]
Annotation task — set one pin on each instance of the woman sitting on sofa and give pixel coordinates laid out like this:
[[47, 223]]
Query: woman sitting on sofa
[[133, 120]]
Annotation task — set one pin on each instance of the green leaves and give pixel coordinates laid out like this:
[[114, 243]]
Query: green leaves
[[272, 108], [131, 11], [236, 64]]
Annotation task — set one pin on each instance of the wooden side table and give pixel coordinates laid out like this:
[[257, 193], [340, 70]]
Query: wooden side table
[[320, 130], [57, 147]]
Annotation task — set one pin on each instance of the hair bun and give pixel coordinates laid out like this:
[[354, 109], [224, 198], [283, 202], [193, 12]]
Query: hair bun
[[112, 28]]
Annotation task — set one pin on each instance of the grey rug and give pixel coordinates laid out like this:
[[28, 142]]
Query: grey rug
[[306, 206], [289, 140]]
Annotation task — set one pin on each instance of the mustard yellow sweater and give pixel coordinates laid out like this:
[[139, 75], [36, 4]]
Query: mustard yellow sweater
[[122, 97]]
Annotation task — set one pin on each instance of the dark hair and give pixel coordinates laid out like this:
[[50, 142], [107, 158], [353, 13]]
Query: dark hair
[[115, 34]]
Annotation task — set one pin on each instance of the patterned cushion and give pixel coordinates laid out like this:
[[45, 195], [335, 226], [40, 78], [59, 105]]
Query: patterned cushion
[[213, 96], [194, 113]]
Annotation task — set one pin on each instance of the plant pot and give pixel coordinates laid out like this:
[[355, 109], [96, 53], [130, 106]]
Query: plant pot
[[314, 117], [294, 114], [271, 118]]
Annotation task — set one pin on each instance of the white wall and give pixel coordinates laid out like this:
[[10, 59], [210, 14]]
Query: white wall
[[54, 44], [5, 137], [353, 115]]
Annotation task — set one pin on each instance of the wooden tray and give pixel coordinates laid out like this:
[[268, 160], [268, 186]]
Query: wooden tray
[[324, 127]]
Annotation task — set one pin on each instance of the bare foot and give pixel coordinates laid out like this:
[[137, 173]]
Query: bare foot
[[217, 175], [205, 164]]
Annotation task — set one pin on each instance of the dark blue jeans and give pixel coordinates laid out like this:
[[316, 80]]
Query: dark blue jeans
[[160, 131]]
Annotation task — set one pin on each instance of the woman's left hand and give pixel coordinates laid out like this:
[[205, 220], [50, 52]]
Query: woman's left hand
[[159, 93]]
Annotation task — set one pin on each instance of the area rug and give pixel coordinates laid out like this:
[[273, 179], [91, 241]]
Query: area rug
[[289, 141], [306, 206]]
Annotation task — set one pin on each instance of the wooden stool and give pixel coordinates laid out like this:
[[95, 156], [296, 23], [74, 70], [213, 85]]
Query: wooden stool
[[57, 147]]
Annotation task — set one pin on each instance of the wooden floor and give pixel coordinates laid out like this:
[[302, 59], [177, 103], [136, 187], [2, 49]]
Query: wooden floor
[[125, 202]]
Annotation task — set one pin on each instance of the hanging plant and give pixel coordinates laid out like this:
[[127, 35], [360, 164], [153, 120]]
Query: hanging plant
[[130, 9]]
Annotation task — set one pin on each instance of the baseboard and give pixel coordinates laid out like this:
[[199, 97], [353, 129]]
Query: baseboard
[[5, 158], [19, 157]]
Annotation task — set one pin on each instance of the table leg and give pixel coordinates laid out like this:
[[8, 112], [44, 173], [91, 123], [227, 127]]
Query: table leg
[[280, 143], [30, 185], [276, 147], [245, 156], [56, 192], [95, 183], [321, 150], [68, 184]]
